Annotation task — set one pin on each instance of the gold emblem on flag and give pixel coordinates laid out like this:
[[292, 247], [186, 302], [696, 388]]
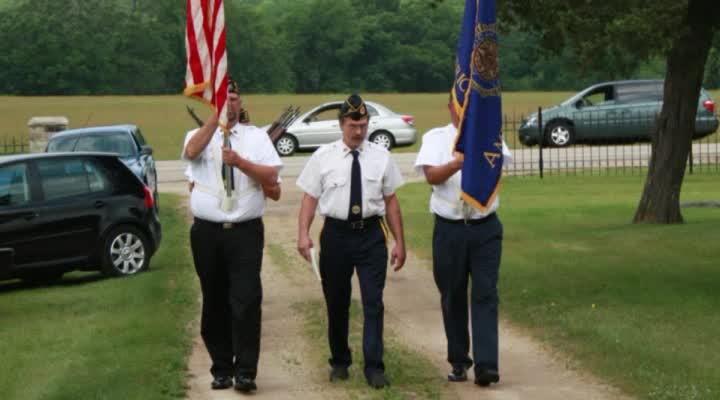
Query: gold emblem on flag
[[356, 209], [485, 59]]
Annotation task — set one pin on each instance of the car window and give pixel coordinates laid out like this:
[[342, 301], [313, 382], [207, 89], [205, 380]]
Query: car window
[[640, 92], [371, 110], [140, 138], [14, 186], [62, 144], [325, 114], [69, 178], [119, 143], [600, 96]]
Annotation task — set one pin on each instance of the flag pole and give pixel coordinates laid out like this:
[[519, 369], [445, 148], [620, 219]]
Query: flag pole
[[227, 175]]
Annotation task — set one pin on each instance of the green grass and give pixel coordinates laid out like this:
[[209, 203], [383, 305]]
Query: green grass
[[411, 376], [635, 304], [92, 338]]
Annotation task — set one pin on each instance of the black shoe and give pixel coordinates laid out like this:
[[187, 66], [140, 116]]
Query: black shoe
[[458, 374], [377, 380], [221, 382], [339, 374], [245, 384], [485, 376]]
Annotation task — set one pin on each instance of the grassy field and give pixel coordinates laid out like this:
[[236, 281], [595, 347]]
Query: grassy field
[[94, 338], [636, 304], [164, 119]]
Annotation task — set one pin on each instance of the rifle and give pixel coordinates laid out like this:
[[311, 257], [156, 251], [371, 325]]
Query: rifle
[[243, 119], [278, 127], [194, 116]]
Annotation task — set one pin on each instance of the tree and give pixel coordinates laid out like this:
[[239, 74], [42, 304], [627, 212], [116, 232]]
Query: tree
[[628, 31]]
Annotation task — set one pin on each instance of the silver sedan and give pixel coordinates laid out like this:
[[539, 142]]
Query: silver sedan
[[320, 126]]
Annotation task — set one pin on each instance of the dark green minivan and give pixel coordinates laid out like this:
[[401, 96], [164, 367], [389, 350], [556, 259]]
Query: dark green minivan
[[621, 111]]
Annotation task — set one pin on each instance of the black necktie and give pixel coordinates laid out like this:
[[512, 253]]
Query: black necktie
[[355, 211], [232, 173]]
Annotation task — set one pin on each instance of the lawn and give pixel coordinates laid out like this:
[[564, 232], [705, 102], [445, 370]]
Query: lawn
[[635, 304], [164, 119], [92, 338]]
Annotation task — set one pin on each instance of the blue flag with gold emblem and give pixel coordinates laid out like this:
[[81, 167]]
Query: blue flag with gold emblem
[[476, 96]]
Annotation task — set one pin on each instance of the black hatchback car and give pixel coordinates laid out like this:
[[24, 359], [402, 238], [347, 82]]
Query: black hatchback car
[[126, 141], [73, 211]]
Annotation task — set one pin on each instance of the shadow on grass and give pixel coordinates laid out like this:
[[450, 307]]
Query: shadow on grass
[[72, 280]]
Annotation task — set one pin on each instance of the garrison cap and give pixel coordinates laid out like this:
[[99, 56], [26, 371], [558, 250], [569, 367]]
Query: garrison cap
[[353, 107], [233, 86]]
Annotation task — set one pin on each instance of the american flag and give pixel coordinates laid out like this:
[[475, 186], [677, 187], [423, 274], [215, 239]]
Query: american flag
[[206, 78]]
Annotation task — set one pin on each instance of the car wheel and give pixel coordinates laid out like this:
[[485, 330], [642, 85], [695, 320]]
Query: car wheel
[[286, 145], [559, 134], [384, 139], [125, 251]]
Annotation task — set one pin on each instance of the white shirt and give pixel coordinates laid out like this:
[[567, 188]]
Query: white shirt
[[249, 142], [327, 174], [445, 201]]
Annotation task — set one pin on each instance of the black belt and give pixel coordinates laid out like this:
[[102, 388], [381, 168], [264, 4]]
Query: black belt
[[477, 221], [354, 225], [226, 225]]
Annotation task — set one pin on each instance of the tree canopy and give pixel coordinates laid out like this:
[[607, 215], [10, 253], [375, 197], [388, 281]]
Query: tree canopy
[[310, 46]]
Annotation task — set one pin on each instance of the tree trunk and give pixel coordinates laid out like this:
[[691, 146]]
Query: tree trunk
[[672, 138]]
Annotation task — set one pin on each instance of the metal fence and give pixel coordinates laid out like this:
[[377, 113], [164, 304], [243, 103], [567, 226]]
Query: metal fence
[[13, 146], [603, 144]]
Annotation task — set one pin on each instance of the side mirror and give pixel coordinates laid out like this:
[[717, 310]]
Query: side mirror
[[579, 104], [146, 150]]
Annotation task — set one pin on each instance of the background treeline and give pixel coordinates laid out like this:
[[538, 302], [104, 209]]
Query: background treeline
[[286, 46]]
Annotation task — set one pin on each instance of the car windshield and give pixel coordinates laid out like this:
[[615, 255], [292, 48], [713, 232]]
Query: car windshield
[[114, 142], [62, 144]]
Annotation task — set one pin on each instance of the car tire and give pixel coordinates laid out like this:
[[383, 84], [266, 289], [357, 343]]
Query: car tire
[[125, 251], [559, 134], [384, 139], [286, 145]]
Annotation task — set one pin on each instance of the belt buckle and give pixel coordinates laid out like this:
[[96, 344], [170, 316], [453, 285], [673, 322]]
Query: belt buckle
[[357, 224], [227, 225]]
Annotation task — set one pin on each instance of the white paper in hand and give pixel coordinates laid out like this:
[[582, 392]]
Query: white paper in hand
[[313, 261]]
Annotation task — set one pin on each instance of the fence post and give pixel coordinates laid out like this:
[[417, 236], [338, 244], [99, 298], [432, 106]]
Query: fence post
[[690, 157], [540, 141]]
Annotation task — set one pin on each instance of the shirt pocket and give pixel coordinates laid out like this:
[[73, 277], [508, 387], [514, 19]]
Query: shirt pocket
[[372, 182], [333, 182]]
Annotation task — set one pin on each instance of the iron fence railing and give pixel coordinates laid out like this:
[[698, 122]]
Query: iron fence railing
[[11, 145], [599, 144]]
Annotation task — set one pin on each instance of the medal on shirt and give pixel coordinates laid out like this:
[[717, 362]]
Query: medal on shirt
[[356, 209]]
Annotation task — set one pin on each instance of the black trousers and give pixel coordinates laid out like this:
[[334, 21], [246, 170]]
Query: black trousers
[[228, 263], [342, 251], [462, 253]]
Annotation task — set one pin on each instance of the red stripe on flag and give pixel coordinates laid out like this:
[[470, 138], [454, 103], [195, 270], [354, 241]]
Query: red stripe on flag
[[194, 56]]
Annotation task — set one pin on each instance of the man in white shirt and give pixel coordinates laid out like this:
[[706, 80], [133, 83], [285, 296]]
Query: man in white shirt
[[352, 183], [227, 242], [467, 244]]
